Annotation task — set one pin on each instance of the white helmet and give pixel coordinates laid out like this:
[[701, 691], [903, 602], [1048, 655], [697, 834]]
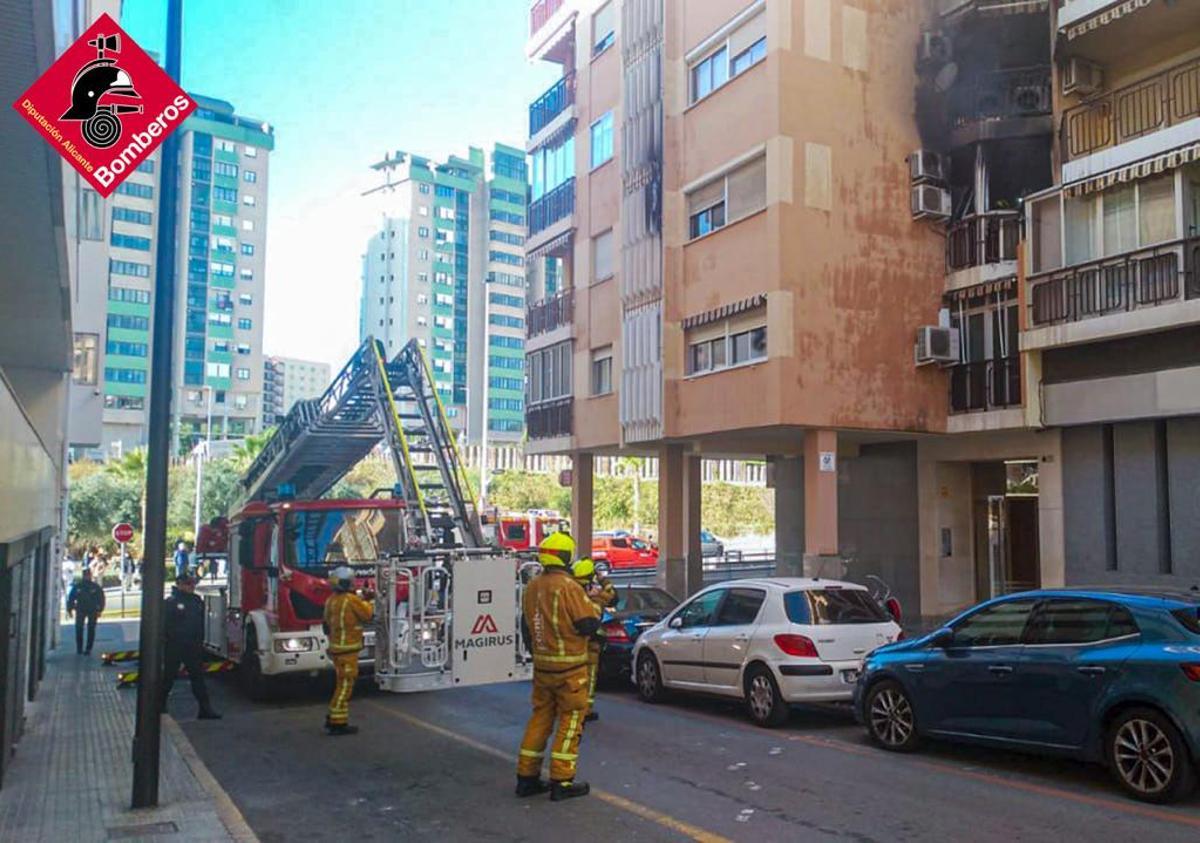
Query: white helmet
[[342, 576]]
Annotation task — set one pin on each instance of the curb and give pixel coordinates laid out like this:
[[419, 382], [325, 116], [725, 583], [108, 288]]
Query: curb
[[239, 830]]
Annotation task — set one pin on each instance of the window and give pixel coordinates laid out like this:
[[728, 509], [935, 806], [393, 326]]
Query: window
[[90, 209], [240, 401], [833, 606], [226, 146], [422, 231], [249, 176], [422, 254], [552, 165], [506, 300], [507, 216], [217, 370], [222, 219], [247, 225], [247, 199], [549, 370], [1066, 621], [506, 237], [740, 607], [125, 375], [604, 24], [747, 346], [1120, 220], [423, 277], [245, 298], [128, 294], [506, 257], [602, 140], [739, 193], [246, 274], [737, 341], [749, 57], [733, 54], [224, 168], [84, 360], [423, 187], [1156, 210], [220, 319], [1080, 223], [132, 323], [1046, 228], [511, 384], [126, 349], [250, 151], [146, 166], [602, 256], [602, 371], [710, 74], [225, 194], [221, 269], [132, 188], [245, 324], [700, 611], [423, 210], [243, 374], [1001, 624], [131, 215], [505, 321], [129, 241], [247, 248]]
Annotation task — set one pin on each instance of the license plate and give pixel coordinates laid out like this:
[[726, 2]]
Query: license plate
[[849, 676]]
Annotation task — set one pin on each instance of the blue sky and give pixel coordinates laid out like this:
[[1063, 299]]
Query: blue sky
[[342, 82]]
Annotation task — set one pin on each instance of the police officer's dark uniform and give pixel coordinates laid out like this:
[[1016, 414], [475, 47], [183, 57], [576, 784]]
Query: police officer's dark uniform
[[86, 601], [184, 623]]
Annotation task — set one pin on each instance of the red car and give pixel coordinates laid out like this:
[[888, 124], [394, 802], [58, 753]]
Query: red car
[[620, 551]]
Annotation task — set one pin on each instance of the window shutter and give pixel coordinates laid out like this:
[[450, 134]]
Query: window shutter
[[705, 196], [747, 189], [747, 34], [603, 22]]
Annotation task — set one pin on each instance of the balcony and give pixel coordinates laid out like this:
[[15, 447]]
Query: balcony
[[1138, 111], [1133, 281], [985, 385], [549, 105], [554, 206], [983, 239], [1014, 102], [551, 31], [551, 419], [540, 14], [548, 314]]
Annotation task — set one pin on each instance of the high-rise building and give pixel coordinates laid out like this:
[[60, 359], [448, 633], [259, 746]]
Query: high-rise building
[[447, 268], [219, 270], [272, 400], [287, 380]]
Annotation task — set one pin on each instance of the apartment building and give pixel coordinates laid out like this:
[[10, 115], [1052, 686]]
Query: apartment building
[[447, 268], [287, 380], [272, 400], [220, 267], [1111, 290]]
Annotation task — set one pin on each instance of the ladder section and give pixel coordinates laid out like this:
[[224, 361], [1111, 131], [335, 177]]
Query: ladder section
[[418, 425]]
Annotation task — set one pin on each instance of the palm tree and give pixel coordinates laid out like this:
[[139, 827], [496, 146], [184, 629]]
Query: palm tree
[[131, 465], [247, 450]]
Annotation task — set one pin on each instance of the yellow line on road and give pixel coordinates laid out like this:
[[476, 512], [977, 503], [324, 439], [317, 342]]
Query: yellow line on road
[[637, 809]]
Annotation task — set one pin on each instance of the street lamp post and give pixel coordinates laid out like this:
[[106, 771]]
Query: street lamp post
[[201, 458]]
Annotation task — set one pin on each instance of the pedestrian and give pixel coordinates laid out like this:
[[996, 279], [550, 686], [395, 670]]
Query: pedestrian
[[183, 615], [601, 592], [345, 614], [85, 602], [68, 577], [181, 560], [557, 619]]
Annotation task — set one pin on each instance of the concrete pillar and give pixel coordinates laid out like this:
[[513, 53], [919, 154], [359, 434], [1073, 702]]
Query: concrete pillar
[[788, 476], [680, 569], [821, 504], [693, 481], [582, 502]]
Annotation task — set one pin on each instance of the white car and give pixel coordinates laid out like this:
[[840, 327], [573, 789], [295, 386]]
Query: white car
[[770, 642]]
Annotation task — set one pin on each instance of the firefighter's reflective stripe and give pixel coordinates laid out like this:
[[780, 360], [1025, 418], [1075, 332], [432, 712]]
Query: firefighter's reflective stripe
[[529, 753], [554, 626], [572, 728], [559, 661]]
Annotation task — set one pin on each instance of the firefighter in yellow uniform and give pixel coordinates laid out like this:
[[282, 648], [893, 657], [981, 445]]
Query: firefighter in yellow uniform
[[345, 614], [557, 620], [601, 592]]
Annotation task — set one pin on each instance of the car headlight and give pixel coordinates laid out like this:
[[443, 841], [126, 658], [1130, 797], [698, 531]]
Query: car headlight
[[293, 645]]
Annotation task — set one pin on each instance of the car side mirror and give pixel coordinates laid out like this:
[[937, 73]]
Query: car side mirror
[[676, 622], [943, 638]]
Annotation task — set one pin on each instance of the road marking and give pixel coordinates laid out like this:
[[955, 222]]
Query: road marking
[[239, 830], [637, 809]]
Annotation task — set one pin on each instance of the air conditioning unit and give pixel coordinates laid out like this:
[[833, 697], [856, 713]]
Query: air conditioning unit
[[936, 345], [935, 47], [1031, 99], [1083, 77], [930, 202], [927, 165]]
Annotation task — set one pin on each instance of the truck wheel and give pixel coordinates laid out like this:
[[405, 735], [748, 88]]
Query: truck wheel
[[255, 684]]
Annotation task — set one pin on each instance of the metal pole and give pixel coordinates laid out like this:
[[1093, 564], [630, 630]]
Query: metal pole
[[148, 734], [201, 458], [123, 580], [483, 437]]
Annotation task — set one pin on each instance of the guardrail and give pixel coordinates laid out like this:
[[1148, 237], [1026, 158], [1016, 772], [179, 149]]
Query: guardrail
[[733, 565]]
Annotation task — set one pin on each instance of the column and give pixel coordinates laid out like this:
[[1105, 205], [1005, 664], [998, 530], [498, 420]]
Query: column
[[582, 502], [693, 479], [820, 504], [788, 475], [672, 549]]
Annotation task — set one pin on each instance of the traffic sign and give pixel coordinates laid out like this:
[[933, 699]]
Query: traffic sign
[[122, 532]]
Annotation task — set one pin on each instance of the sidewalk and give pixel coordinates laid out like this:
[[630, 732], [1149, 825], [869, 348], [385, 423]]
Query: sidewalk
[[71, 777]]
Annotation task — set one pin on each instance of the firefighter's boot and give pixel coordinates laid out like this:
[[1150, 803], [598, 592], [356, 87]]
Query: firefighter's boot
[[336, 729], [530, 786], [592, 717], [568, 790]]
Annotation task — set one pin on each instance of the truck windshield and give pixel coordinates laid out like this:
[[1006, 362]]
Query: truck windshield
[[323, 539]]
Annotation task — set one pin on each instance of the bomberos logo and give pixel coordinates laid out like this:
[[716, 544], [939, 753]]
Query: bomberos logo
[[105, 105]]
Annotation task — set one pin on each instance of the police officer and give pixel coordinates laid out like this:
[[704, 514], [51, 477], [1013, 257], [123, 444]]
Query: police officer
[[345, 614], [601, 592], [85, 602], [557, 620], [184, 621]]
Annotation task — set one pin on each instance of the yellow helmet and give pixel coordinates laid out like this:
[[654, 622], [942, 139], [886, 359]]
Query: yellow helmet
[[556, 549], [584, 569]]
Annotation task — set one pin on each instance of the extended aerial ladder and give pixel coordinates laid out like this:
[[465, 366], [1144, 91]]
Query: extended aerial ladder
[[373, 400]]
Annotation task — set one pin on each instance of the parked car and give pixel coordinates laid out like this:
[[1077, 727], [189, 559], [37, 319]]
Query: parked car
[[1106, 676], [710, 545], [769, 642], [623, 551], [638, 608]]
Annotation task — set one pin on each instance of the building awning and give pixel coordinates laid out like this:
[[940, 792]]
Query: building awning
[[997, 7], [1002, 286], [725, 311], [1138, 170], [562, 241], [559, 136], [1105, 17]]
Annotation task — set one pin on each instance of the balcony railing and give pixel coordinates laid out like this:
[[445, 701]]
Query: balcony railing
[[551, 104], [551, 313], [553, 418], [554, 206], [1001, 94], [990, 237], [1141, 278], [1165, 99], [541, 12], [985, 385]]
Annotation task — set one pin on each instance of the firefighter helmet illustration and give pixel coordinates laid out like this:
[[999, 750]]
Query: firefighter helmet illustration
[[96, 80]]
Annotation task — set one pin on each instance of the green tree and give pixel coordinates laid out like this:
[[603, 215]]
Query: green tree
[[97, 502], [246, 450]]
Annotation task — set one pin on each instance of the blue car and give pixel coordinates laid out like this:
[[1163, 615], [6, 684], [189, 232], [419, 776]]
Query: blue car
[[1107, 676]]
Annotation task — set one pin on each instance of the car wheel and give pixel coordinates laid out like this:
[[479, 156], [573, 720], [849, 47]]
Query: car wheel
[[649, 678], [1148, 757], [255, 684], [891, 721], [764, 702]]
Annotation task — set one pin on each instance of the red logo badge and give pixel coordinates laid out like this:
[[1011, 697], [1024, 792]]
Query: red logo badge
[[105, 105], [484, 623]]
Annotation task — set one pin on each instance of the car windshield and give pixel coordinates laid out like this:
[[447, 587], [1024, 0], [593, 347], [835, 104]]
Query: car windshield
[[833, 606], [644, 600], [638, 544], [323, 539]]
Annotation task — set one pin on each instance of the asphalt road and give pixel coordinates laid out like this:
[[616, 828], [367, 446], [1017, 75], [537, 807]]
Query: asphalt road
[[442, 765]]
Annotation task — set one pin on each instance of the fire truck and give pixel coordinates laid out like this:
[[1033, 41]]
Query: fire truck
[[447, 605], [522, 532]]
